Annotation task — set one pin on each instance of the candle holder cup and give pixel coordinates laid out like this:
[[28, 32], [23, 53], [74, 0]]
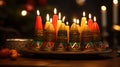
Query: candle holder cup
[[87, 43], [97, 40], [38, 40], [61, 43], [49, 41], [74, 44]]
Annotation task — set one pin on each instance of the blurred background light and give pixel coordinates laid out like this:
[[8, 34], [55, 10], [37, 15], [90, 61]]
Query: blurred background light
[[2, 2], [116, 27], [23, 12], [80, 2]]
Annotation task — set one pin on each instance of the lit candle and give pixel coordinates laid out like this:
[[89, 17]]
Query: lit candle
[[115, 11], [51, 27], [59, 22], [47, 22], [83, 21], [78, 26], [74, 25], [90, 22], [104, 14], [86, 28], [62, 26], [95, 26], [38, 25], [96, 31], [67, 28], [54, 20]]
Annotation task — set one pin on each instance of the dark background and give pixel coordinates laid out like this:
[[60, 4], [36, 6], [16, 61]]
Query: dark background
[[13, 25]]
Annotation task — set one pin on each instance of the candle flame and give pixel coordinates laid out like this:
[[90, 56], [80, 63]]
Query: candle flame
[[115, 1], [74, 20], [77, 21], [55, 11], [63, 19], [50, 20], [67, 23], [103, 8], [83, 13], [59, 16], [23, 12], [38, 12], [90, 15], [94, 18], [47, 17], [86, 22]]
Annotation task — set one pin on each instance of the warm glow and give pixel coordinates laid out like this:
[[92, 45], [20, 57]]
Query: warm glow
[[66, 23], [86, 22], [94, 19], [1, 2], [116, 27], [59, 16], [115, 1], [50, 20], [55, 11], [74, 20], [18, 39], [90, 16], [83, 13], [23, 12], [80, 2], [103, 8], [77, 21], [63, 19], [47, 17], [38, 12]]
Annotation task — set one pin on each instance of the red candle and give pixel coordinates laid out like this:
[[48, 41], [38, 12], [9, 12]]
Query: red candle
[[95, 26], [90, 22], [54, 19], [38, 25]]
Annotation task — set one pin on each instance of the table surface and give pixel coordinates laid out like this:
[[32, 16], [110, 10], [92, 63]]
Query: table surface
[[27, 61]]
